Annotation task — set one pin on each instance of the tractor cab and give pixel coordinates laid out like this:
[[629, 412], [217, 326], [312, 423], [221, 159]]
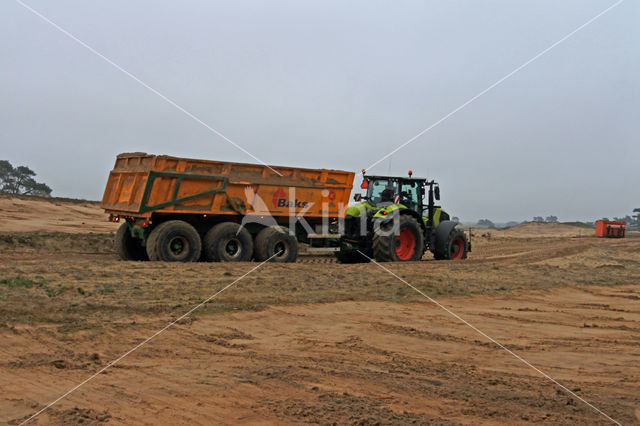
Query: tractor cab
[[384, 190]]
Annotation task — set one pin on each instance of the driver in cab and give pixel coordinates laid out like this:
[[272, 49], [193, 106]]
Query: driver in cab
[[387, 195]]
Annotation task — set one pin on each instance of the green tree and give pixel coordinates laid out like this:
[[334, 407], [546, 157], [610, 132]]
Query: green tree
[[20, 180]]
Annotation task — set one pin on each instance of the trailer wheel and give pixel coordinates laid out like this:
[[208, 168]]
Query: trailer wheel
[[453, 247], [128, 247], [228, 242], [272, 240], [174, 241], [407, 245]]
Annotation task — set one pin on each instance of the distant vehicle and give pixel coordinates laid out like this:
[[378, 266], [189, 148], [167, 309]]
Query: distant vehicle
[[179, 209], [610, 228]]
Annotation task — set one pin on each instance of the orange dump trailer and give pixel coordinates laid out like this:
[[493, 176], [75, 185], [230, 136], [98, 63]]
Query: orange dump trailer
[[181, 209], [610, 228]]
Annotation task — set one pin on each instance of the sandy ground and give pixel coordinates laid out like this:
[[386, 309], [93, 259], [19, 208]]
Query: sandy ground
[[319, 342], [24, 215]]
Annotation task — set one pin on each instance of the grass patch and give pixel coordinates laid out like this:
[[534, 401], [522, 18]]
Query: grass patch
[[22, 282], [54, 292], [107, 290]]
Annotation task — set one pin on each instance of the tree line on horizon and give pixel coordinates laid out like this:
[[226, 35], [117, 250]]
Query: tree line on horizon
[[633, 221], [21, 181]]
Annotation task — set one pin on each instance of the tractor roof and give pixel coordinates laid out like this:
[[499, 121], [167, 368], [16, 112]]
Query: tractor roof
[[399, 178]]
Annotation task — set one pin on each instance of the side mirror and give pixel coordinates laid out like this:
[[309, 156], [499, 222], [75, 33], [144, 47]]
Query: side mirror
[[357, 197], [436, 192]]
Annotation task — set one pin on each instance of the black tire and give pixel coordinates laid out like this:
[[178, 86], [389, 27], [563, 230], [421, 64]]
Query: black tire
[[352, 256], [404, 246], [128, 247], [273, 239], [453, 247], [228, 242], [174, 241]]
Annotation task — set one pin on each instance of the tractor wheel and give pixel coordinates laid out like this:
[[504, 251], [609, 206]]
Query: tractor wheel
[[272, 240], [407, 245], [128, 247], [228, 242], [352, 256], [453, 247], [174, 241]]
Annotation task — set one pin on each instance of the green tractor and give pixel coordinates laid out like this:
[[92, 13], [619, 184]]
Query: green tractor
[[397, 221]]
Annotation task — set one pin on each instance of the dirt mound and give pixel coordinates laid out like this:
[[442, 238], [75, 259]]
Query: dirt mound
[[26, 214], [55, 242], [541, 229]]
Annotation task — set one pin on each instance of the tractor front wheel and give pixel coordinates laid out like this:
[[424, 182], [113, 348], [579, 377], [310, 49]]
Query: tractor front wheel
[[407, 244], [453, 247]]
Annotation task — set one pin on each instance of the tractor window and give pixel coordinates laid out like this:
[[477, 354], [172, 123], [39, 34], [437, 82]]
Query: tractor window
[[410, 195], [382, 191]]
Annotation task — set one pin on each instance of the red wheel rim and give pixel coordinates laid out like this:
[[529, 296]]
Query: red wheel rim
[[457, 249], [406, 247]]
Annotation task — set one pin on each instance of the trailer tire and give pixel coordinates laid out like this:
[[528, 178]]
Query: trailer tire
[[273, 239], [452, 246], [128, 247], [174, 241], [406, 246], [227, 242]]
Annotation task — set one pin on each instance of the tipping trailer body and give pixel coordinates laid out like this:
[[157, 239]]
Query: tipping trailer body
[[142, 185]]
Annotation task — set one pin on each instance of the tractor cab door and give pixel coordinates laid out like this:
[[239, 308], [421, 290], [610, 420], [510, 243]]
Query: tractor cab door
[[410, 195]]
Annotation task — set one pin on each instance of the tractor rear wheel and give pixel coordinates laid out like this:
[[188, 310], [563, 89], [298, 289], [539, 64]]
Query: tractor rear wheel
[[407, 245], [174, 241], [128, 247], [454, 247], [228, 242], [275, 243]]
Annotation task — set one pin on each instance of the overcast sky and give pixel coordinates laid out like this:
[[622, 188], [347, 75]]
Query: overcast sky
[[337, 84]]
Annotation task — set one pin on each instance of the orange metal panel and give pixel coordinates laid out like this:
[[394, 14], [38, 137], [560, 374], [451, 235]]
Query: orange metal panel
[[162, 179]]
